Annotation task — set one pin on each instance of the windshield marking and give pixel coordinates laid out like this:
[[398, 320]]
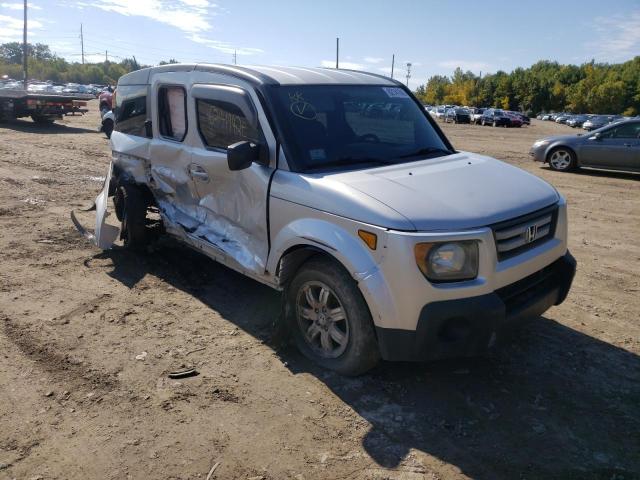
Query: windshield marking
[[301, 108]]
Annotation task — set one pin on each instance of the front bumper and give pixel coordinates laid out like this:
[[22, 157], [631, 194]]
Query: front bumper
[[471, 326], [538, 154]]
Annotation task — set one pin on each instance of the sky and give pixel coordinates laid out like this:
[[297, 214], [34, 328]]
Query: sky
[[435, 36]]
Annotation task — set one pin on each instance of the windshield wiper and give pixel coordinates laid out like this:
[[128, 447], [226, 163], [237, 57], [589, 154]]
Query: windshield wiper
[[348, 161], [426, 151]]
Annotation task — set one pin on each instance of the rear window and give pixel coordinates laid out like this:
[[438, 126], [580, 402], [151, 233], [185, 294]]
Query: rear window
[[172, 112], [131, 109]]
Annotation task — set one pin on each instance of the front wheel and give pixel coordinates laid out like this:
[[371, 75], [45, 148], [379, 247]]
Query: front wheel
[[330, 320], [562, 160]]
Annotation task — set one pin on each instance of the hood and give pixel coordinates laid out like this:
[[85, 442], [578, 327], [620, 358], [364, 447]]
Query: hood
[[459, 191]]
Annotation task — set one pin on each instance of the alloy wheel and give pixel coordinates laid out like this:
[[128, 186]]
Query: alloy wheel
[[560, 160], [322, 319]]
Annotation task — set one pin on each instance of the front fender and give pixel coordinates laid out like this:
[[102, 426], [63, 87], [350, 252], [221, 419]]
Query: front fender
[[337, 237], [334, 239]]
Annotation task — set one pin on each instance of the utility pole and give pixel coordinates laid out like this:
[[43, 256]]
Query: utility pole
[[25, 49], [408, 73], [235, 57], [337, 52], [82, 43], [106, 56], [393, 62]]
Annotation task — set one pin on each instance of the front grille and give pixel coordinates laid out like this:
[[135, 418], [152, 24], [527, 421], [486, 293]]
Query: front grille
[[515, 236]]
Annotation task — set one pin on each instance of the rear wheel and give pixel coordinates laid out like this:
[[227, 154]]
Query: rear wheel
[[107, 127], [42, 120], [329, 318], [562, 159], [131, 209]]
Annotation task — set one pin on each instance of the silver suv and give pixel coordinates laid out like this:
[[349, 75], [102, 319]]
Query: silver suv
[[338, 189]]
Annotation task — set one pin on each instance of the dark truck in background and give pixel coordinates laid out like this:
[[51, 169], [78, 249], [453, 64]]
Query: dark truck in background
[[42, 107]]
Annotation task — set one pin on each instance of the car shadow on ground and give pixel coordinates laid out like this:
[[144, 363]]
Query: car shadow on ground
[[556, 403], [28, 126]]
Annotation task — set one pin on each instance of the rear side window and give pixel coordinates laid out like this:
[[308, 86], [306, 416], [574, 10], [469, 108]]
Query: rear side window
[[222, 124], [131, 109], [172, 113]]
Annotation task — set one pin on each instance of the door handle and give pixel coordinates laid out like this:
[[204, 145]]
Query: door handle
[[196, 171]]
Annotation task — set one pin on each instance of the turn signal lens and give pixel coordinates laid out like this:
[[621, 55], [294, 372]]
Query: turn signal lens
[[371, 239]]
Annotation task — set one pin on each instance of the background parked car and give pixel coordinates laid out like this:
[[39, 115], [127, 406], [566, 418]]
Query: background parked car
[[525, 119], [457, 115], [495, 117], [613, 147], [563, 118], [577, 120], [440, 111], [516, 120], [598, 121], [476, 114]]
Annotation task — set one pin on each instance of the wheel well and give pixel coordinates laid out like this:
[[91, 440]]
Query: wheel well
[[292, 259], [120, 177], [558, 147]]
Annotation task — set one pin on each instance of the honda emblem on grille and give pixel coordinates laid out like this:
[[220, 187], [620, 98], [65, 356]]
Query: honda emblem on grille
[[531, 233]]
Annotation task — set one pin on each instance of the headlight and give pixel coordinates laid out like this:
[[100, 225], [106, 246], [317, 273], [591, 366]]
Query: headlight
[[448, 262], [540, 143]]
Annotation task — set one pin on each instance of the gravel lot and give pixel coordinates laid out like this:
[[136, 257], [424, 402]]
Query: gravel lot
[[79, 399]]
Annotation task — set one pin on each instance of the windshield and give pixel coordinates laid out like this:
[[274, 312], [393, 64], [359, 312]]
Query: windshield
[[348, 126]]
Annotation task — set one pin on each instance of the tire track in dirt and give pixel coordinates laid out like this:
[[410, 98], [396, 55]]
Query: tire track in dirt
[[52, 357]]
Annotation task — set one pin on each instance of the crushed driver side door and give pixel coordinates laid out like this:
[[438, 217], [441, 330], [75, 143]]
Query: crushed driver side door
[[235, 202]]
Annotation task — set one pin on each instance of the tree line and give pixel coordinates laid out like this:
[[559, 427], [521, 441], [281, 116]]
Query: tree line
[[46, 65], [545, 86]]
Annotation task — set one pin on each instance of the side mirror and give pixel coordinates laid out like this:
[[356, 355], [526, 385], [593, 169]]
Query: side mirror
[[148, 130], [242, 154], [596, 136]]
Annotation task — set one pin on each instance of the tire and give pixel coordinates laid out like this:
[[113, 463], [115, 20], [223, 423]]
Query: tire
[[482, 122], [131, 209], [561, 159], [40, 120], [107, 127], [320, 288]]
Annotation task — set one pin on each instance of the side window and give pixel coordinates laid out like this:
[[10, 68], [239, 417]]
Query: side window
[[629, 130], [131, 109], [222, 124], [172, 113]]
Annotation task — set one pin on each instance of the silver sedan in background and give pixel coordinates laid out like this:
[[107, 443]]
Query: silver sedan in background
[[613, 147]]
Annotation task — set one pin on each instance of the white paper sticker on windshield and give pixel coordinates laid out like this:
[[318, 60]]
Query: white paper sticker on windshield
[[395, 92], [318, 154]]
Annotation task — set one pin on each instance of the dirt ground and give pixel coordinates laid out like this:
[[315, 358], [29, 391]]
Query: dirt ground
[[80, 400]]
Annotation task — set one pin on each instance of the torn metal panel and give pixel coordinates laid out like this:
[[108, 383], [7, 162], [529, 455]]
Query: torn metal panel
[[104, 234]]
